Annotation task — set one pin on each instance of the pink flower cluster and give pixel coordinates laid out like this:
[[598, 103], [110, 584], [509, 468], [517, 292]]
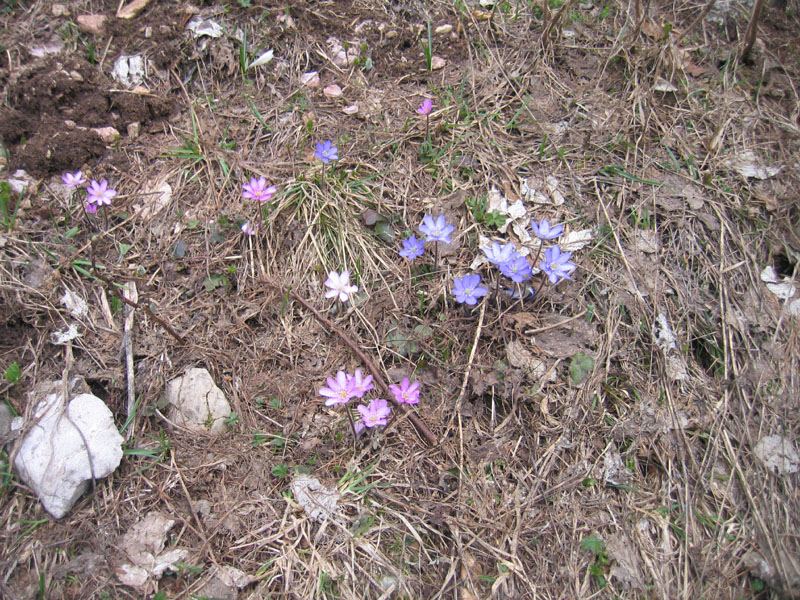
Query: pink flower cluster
[[99, 194], [345, 386]]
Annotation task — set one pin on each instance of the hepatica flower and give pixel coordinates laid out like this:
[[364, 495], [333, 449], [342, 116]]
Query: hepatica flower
[[426, 107], [498, 254], [545, 231], [340, 285], [468, 289], [406, 392], [249, 229], [556, 264], [412, 248], [360, 384], [326, 151], [517, 269], [376, 413], [339, 390], [436, 230], [99, 195], [257, 189], [72, 180]]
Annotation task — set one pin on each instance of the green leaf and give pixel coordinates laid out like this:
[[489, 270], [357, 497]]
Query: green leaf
[[594, 545], [580, 367], [13, 373]]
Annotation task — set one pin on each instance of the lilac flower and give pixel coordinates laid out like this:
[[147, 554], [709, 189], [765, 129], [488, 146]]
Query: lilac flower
[[517, 269], [426, 107], [249, 229], [326, 151], [556, 264], [361, 385], [91, 207], [406, 392], [515, 294], [412, 248], [339, 390], [545, 231], [436, 231], [498, 254], [376, 413], [99, 194], [257, 190], [340, 285], [72, 180], [467, 290]]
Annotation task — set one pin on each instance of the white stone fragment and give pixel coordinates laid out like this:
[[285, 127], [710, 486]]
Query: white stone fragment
[[332, 91], [351, 109], [144, 546], [778, 454], [128, 70], [197, 403], [208, 27], [66, 447], [311, 79]]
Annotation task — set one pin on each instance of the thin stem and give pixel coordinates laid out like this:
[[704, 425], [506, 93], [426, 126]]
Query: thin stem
[[352, 423]]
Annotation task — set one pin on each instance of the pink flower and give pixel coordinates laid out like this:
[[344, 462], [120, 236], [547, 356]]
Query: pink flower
[[361, 385], [376, 413], [257, 190], [406, 392], [426, 107], [100, 194], [339, 390], [249, 229], [340, 285], [72, 180]]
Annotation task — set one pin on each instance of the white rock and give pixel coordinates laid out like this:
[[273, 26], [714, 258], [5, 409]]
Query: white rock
[[332, 91], [53, 458], [350, 110], [94, 24], [311, 79], [128, 70], [108, 134], [437, 62], [197, 403]]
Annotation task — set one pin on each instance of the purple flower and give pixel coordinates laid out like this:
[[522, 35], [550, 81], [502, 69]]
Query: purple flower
[[436, 231], [99, 194], [498, 254], [376, 413], [91, 207], [257, 190], [339, 390], [361, 385], [249, 229], [326, 151], [340, 285], [406, 392], [426, 107], [412, 248], [526, 293], [545, 231], [517, 269], [556, 264], [72, 180], [467, 290]]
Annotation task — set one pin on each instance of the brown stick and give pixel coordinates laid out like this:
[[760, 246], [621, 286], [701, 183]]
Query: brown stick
[[752, 29], [417, 422]]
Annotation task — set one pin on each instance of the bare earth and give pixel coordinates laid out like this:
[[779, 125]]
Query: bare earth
[[599, 440]]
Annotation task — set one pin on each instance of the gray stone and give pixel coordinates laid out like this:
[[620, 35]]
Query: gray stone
[[66, 445], [197, 403]]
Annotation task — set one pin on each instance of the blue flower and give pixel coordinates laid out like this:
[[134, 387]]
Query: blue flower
[[545, 231], [556, 264], [498, 254], [467, 290], [412, 248], [436, 231], [326, 151], [517, 269]]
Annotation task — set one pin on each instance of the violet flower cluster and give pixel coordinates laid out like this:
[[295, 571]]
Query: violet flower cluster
[[98, 193], [344, 387], [433, 230]]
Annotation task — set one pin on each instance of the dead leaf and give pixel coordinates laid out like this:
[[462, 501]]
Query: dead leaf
[[778, 454], [319, 502]]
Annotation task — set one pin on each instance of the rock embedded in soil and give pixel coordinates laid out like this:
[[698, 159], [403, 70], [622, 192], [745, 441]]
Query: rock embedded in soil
[[66, 447], [93, 24], [197, 403]]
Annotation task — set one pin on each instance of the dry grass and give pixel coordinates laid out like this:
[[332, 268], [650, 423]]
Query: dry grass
[[629, 484]]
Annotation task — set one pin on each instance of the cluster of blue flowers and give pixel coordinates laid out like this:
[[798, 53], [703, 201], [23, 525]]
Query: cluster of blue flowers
[[468, 289]]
